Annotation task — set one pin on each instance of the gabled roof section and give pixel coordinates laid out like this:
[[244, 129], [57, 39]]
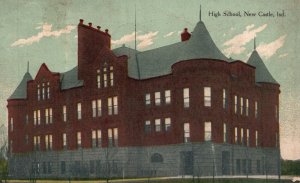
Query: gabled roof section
[[69, 79], [21, 91], [262, 73], [158, 62]]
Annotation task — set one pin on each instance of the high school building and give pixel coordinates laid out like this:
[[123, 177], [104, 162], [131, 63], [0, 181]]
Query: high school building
[[181, 109]]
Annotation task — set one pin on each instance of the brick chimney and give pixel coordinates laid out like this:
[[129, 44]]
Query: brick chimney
[[185, 35]]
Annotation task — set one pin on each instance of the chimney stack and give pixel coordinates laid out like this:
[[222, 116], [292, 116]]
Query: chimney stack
[[185, 35], [81, 21], [98, 27], [90, 24]]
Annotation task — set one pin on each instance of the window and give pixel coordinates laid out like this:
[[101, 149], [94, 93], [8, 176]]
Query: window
[[147, 126], [78, 139], [112, 105], [48, 116], [11, 124], [242, 105], [26, 119], [111, 76], [256, 138], [64, 113], [105, 79], [225, 138], [247, 137], [110, 139], [207, 96], [167, 124], [48, 142], [186, 97], [147, 99], [43, 91], [168, 96], [98, 79], [242, 136], [48, 90], [256, 109], [64, 140], [235, 104], [207, 131], [116, 137], [34, 118], [94, 108], [37, 142], [79, 115], [38, 117], [94, 138], [99, 138], [26, 139], [236, 135], [186, 128], [157, 158], [247, 107], [99, 107], [225, 99], [157, 125], [157, 98], [38, 93]]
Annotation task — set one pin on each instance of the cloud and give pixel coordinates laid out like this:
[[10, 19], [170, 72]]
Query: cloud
[[143, 40], [283, 55], [236, 45], [46, 32], [169, 34], [267, 50]]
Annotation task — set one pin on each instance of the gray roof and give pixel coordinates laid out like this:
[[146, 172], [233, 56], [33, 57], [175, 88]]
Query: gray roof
[[21, 91], [158, 62], [69, 79], [262, 73]]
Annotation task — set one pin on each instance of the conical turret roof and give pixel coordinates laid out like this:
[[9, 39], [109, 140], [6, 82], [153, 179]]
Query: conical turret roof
[[262, 73], [21, 91]]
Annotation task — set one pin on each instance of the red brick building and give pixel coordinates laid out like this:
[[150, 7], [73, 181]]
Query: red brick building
[[173, 110]]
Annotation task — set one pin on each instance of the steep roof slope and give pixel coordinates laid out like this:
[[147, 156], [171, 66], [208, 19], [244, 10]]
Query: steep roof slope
[[21, 91], [158, 62], [262, 73]]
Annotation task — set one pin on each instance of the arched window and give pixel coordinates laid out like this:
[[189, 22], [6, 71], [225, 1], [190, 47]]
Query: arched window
[[156, 158]]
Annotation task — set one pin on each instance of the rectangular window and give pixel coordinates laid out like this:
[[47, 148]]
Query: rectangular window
[[26, 139], [11, 124], [110, 138], [157, 98], [34, 117], [79, 115], [235, 104], [186, 128], [43, 91], [38, 117], [110, 107], [50, 116], [111, 78], [186, 97], [99, 137], [157, 125], [147, 126], [78, 139], [98, 79], [64, 113], [167, 124], [64, 140], [99, 107], [147, 99], [46, 142], [46, 116], [94, 108], [48, 90], [224, 99], [236, 135], [94, 139], [247, 107], [38, 142], [248, 137], [242, 105], [38, 93], [256, 109], [168, 96], [105, 79], [225, 133], [115, 103], [207, 131], [242, 136], [207, 96], [116, 137], [26, 119], [50, 142], [256, 138]]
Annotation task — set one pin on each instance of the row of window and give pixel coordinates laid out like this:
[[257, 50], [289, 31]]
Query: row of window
[[166, 126], [102, 77], [96, 139], [158, 98], [43, 91]]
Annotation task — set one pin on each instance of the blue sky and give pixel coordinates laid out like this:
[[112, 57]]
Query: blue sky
[[45, 31]]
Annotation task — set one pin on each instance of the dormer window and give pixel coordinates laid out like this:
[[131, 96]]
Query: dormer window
[[48, 90], [98, 79], [111, 75], [38, 93], [43, 91], [105, 76]]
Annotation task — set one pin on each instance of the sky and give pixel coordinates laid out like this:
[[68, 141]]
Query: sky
[[46, 32]]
